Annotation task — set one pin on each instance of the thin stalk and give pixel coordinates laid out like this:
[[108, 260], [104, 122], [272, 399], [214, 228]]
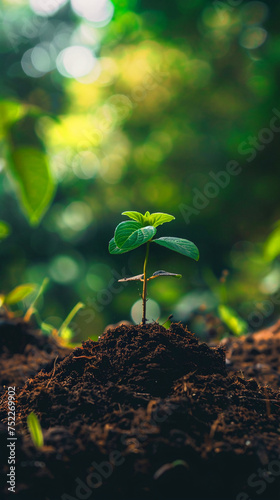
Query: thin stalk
[[31, 310], [144, 294], [70, 316]]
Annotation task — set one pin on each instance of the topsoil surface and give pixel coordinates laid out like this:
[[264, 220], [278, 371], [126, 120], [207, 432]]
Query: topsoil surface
[[146, 413], [256, 355], [24, 351]]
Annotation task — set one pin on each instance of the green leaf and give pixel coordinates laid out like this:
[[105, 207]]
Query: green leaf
[[113, 248], [180, 245], [10, 111], [46, 328], [31, 172], [4, 230], [135, 216], [272, 245], [124, 230], [159, 218], [35, 430], [135, 239], [236, 324], [19, 293], [155, 219]]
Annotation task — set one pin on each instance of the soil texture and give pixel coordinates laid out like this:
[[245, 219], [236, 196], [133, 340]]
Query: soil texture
[[256, 355], [24, 351], [146, 413]]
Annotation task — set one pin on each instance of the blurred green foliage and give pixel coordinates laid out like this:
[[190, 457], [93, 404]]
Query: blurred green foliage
[[106, 108]]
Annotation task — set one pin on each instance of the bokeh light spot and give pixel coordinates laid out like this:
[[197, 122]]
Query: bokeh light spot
[[99, 12], [28, 66], [252, 38], [75, 61], [152, 314], [77, 216], [85, 165], [46, 8], [64, 269], [42, 59]]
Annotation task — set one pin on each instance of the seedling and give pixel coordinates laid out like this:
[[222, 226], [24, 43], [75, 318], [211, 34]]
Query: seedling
[[32, 309], [237, 325], [141, 230], [65, 333], [35, 430], [64, 330], [17, 295]]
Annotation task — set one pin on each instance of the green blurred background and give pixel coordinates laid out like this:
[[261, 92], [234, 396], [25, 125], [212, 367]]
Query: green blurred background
[[118, 105]]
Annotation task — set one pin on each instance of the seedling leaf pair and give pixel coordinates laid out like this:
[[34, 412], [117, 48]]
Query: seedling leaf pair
[[155, 219]]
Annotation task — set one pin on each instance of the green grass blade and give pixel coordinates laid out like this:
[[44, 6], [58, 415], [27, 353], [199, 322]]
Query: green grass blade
[[35, 430], [70, 316]]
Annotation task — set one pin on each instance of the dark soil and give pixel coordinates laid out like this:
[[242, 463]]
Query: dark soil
[[146, 413], [256, 355], [24, 351]]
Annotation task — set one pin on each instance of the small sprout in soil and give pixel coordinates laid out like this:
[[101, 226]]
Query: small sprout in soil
[[141, 229], [64, 331], [17, 295], [31, 310], [232, 320], [35, 430], [167, 467]]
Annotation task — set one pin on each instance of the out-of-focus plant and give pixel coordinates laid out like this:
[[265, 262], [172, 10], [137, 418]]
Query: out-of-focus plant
[[35, 430], [4, 230], [272, 244], [27, 164], [17, 295]]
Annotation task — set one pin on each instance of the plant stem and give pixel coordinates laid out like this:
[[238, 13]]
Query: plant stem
[[144, 294]]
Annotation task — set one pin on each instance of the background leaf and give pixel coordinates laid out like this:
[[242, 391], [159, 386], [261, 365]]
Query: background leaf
[[20, 293], [31, 172], [272, 245], [180, 245], [35, 430], [4, 230], [236, 324]]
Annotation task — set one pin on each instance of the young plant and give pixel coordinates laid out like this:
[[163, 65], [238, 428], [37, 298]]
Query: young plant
[[141, 230], [16, 295], [35, 430]]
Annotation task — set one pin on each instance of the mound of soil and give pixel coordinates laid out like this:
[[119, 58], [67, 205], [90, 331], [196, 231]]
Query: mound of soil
[[24, 351], [147, 413], [256, 355]]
